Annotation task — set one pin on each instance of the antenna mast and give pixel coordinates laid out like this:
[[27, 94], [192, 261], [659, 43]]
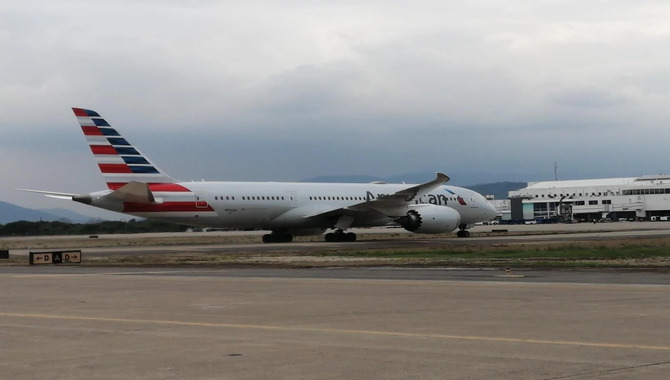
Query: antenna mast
[[555, 171]]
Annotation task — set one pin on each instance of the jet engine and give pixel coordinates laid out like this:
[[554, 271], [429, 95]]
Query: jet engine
[[430, 219]]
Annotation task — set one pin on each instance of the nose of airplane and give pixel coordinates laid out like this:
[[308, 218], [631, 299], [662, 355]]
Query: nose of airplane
[[491, 211]]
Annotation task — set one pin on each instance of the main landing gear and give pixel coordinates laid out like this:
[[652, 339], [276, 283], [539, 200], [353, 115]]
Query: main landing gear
[[284, 237], [462, 231], [277, 237], [340, 236]]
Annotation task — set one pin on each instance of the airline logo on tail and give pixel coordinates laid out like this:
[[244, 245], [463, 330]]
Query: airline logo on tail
[[118, 161]]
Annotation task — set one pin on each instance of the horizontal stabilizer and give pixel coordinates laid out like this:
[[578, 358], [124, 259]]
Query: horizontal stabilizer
[[136, 192], [51, 194]]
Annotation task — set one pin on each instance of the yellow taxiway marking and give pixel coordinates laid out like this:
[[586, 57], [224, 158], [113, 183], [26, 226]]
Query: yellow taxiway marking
[[340, 331]]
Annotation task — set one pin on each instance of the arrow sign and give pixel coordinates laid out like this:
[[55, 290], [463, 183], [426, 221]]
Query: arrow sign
[[55, 257]]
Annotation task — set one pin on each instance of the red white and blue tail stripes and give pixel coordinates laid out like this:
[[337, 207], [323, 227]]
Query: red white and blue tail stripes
[[121, 163], [118, 161]]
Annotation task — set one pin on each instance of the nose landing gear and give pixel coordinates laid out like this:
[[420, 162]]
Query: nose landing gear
[[462, 231]]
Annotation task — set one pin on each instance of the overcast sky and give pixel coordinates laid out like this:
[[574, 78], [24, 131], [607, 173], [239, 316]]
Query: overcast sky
[[485, 91]]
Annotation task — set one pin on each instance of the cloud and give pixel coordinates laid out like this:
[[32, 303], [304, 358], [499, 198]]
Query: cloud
[[588, 97], [266, 90]]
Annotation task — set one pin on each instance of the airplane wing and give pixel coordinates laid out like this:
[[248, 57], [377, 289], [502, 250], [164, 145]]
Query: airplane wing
[[392, 205]]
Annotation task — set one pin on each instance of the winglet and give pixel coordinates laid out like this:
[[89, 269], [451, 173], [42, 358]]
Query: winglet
[[439, 176]]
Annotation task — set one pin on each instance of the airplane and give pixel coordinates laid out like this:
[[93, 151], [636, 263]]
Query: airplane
[[137, 187]]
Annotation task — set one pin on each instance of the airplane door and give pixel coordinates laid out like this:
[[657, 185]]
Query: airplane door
[[292, 197], [200, 203]]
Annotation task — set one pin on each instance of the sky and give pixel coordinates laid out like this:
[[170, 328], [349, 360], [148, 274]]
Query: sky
[[484, 91]]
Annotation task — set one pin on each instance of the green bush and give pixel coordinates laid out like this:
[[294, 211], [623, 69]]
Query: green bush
[[24, 228]]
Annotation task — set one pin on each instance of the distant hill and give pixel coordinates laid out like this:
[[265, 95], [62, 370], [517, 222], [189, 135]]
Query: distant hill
[[12, 213], [71, 216]]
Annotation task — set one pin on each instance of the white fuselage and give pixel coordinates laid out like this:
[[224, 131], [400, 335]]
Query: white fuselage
[[290, 205]]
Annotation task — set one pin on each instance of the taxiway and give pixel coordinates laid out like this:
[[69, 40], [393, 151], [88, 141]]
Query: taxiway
[[175, 323], [80, 322]]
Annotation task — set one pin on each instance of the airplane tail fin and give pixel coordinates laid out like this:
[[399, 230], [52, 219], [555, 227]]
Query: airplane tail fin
[[120, 163]]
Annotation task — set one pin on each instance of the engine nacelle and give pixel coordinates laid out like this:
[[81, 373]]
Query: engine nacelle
[[430, 219]]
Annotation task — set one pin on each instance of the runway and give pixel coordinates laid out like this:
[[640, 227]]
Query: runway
[[390, 323], [172, 322]]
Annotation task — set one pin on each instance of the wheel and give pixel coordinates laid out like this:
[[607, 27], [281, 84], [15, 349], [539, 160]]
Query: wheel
[[463, 233], [334, 237], [277, 238]]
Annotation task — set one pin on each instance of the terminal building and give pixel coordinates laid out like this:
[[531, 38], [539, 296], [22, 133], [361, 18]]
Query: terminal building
[[637, 198]]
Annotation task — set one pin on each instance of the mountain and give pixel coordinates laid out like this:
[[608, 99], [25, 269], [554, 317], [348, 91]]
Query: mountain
[[11, 213], [71, 216]]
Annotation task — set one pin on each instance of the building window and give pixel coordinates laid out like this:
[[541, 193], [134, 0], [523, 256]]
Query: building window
[[592, 203], [607, 201]]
